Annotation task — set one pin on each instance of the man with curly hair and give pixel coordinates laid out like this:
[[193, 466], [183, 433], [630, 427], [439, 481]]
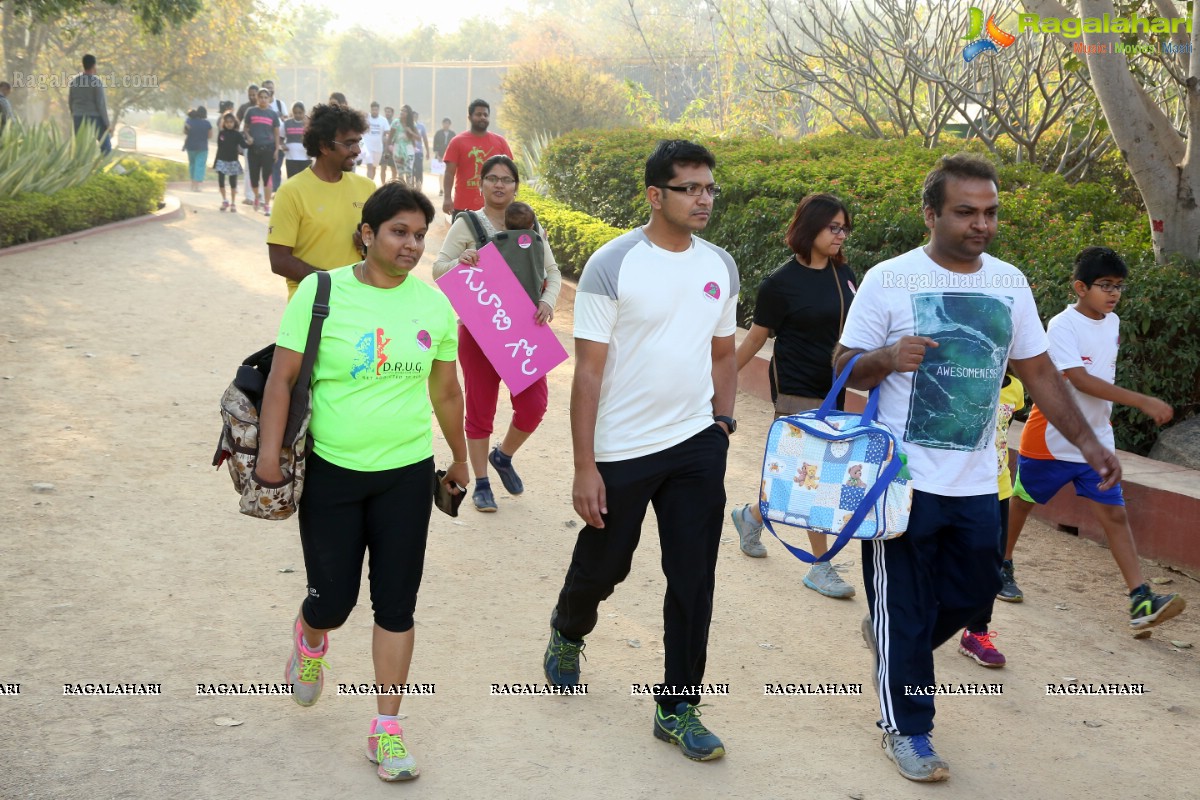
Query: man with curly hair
[[317, 212]]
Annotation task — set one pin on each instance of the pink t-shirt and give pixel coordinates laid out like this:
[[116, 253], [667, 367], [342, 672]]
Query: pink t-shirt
[[468, 152]]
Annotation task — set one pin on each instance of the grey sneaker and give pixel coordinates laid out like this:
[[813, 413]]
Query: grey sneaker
[[823, 578], [305, 669], [915, 757], [748, 533]]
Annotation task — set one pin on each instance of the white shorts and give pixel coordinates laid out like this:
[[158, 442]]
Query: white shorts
[[372, 153]]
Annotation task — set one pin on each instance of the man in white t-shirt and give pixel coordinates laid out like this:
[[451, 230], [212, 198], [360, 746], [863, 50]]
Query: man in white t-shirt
[[651, 415], [377, 126], [935, 328]]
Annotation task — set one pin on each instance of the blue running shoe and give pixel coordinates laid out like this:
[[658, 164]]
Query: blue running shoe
[[482, 498], [685, 729], [508, 475], [561, 662]]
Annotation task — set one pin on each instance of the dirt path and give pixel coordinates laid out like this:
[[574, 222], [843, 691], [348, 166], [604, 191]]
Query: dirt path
[[136, 567]]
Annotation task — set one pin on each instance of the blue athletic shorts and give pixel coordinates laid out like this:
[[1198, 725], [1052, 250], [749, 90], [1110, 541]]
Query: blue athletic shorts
[[1039, 479]]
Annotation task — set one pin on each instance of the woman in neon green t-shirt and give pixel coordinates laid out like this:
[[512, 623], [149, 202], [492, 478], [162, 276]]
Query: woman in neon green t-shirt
[[386, 361]]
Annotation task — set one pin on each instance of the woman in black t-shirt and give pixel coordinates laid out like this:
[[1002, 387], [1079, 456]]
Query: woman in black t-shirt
[[803, 304]]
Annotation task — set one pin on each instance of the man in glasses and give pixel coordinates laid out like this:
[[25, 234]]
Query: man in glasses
[[651, 415], [464, 158], [317, 212]]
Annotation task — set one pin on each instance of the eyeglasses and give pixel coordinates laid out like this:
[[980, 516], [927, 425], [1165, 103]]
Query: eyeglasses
[[353, 144], [839, 230], [1110, 288], [693, 189], [503, 180]]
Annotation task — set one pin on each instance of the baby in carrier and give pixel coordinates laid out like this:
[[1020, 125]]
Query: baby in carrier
[[520, 245]]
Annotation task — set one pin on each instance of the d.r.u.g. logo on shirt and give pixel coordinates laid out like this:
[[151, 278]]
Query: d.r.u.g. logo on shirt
[[712, 291], [371, 352], [372, 360]]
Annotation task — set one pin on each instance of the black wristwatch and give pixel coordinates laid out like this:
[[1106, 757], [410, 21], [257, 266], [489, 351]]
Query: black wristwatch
[[730, 422]]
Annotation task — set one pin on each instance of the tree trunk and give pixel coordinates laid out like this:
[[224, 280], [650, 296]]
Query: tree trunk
[[1175, 226], [1165, 167]]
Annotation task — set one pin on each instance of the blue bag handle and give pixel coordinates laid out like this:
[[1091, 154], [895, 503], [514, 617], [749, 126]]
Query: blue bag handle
[[886, 475], [830, 403]]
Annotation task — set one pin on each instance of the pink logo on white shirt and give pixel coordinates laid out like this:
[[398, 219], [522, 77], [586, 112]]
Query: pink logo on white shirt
[[712, 291]]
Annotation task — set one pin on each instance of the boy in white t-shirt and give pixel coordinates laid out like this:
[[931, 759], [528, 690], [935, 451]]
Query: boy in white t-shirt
[[1083, 345]]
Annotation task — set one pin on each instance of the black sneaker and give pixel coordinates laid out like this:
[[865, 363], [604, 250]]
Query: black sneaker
[[1009, 591], [1147, 609], [561, 662]]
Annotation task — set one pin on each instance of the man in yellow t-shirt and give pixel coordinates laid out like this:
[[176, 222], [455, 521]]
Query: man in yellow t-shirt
[[318, 211]]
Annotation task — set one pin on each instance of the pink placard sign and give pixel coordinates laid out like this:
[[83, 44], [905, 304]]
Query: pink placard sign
[[500, 316]]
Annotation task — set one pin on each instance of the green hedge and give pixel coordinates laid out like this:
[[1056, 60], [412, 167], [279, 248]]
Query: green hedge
[[105, 197], [1044, 222], [573, 235]]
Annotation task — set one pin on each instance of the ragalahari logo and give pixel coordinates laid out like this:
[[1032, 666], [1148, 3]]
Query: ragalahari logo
[[984, 38]]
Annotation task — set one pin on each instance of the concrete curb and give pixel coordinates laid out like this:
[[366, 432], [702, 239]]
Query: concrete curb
[[173, 208]]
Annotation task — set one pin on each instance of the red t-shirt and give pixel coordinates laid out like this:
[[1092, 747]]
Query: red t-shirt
[[469, 152]]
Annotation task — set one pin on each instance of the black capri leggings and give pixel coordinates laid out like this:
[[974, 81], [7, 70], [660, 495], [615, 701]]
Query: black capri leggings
[[262, 162], [344, 513]]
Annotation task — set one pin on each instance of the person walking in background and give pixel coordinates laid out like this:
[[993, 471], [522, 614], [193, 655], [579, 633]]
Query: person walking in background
[[227, 165], [461, 246], [368, 479], [441, 140], [389, 159], [651, 416], [197, 131], [803, 305], [976, 641], [420, 149], [402, 136], [373, 140], [464, 158], [293, 134], [261, 126], [88, 103], [251, 102], [280, 109], [317, 211]]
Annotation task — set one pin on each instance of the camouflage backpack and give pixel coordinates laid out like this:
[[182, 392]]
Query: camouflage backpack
[[241, 406]]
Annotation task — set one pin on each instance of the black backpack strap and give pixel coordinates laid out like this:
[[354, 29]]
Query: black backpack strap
[[298, 407], [481, 237]]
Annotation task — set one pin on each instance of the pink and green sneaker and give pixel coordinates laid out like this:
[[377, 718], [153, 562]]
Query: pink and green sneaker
[[305, 668], [385, 747]]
